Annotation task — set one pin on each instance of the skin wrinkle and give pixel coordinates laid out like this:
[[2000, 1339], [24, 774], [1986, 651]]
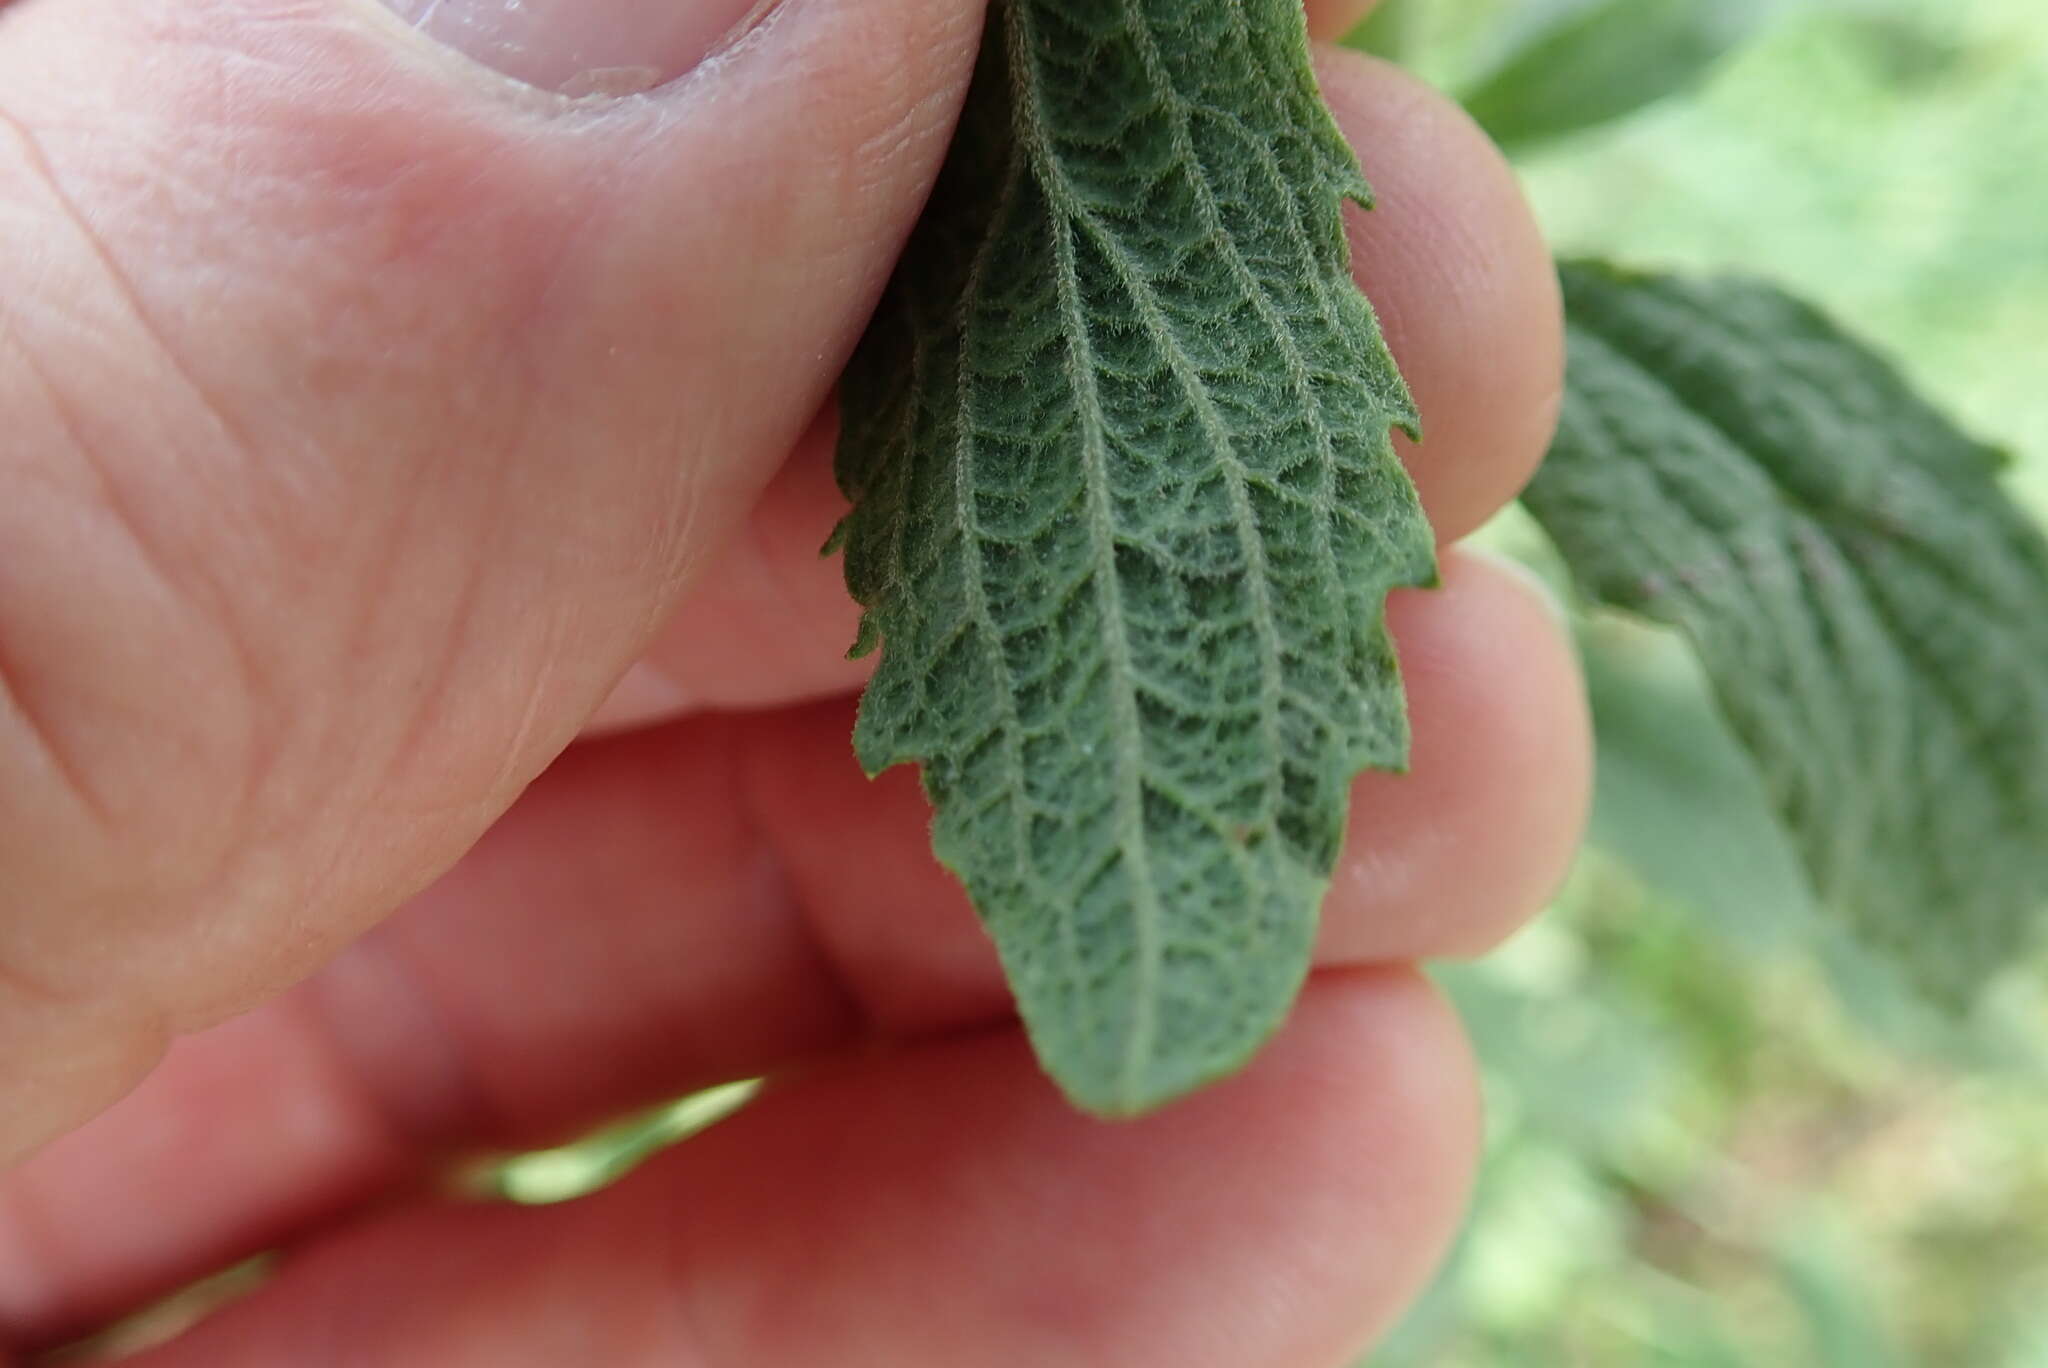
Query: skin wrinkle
[[261, 747], [881, 152], [41, 736], [434, 696], [73, 771], [209, 405], [45, 990], [379, 571], [265, 742], [433, 690], [520, 745], [678, 550], [40, 993], [220, 28]]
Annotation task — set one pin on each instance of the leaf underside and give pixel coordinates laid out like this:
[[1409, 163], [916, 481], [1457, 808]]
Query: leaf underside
[[1126, 513], [1870, 607]]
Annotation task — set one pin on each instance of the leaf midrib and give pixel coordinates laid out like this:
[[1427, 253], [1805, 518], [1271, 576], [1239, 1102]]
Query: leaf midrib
[[1009, 719], [1071, 213], [1127, 734]]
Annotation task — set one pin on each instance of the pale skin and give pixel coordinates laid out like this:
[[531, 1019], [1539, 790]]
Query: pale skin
[[398, 467]]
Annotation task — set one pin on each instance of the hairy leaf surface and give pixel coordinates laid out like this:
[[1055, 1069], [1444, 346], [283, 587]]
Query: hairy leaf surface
[[1871, 608], [1126, 513]]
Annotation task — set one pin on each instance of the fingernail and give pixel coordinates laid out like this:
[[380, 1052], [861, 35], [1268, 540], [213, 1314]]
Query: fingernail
[[585, 47]]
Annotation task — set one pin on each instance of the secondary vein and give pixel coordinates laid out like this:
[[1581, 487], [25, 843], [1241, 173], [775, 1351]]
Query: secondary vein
[[1128, 733]]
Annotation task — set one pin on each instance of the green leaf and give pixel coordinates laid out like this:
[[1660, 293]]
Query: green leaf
[[1676, 798], [1126, 513], [1587, 62], [1870, 607]]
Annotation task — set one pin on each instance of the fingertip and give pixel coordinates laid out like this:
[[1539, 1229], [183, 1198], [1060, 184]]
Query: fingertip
[[1391, 1052], [1452, 857], [1458, 270]]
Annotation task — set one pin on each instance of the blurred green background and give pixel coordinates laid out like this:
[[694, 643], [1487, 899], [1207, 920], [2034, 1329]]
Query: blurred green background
[[1719, 1136]]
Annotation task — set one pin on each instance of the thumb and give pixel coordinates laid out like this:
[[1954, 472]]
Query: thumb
[[368, 400]]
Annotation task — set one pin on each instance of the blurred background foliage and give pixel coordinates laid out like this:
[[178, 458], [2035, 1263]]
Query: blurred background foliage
[[1720, 1135]]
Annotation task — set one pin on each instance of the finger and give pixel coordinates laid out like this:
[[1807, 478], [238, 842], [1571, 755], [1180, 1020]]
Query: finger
[[1458, 270], [303, 584], [1453, 857], [710, 901], [943, 1206]]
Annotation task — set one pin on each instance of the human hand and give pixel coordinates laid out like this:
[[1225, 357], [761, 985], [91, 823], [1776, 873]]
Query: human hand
[[368, 416]]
